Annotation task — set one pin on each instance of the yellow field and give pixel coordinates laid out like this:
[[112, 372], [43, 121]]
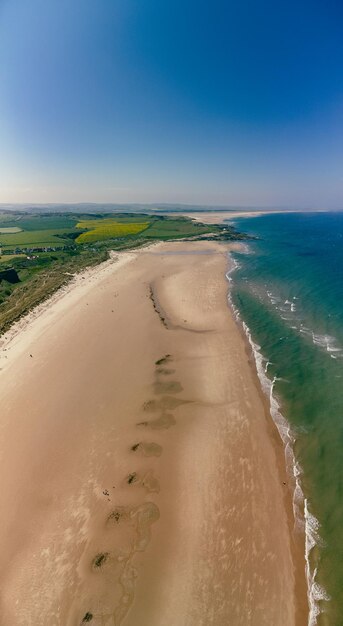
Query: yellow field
[[107, 229], [8, 230]]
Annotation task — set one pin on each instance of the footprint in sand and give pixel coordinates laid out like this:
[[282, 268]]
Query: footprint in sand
[[151, 406], [164, 359], [172, 386], [162, 371], [147, 448], [166, 420], [163, 404], [119, 514], [149, 482], [140, 518]]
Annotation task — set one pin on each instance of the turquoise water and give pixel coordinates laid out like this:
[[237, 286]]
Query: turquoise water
[[288, 289]]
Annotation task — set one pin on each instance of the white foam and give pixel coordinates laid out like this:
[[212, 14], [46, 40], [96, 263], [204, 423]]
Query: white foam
[[324, 341], [235, 266], [328, 343], [316, 593], [303, 519], [267, 365], [290, 306]]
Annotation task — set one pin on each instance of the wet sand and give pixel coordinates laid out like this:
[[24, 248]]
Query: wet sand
[[141, 480]]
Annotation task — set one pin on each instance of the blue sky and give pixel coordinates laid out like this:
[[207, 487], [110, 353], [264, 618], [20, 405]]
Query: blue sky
[[217, 102]]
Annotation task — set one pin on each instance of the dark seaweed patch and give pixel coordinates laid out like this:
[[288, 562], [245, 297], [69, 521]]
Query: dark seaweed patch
[[100, 559], [132, 478], [116, 515], [163, 360]]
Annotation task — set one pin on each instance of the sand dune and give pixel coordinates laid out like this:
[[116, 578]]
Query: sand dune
[[141, 480]]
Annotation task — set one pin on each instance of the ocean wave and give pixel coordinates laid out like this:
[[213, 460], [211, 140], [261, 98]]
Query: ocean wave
[[287, 309], [235, 266], [286, 306], [304, 521], [246, 249], [267, 365], [325, 342], [328, 343], [316, 593]]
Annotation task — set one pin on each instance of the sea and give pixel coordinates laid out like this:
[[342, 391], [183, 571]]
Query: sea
[[287, 291]]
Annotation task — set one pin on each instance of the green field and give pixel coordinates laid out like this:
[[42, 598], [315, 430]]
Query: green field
[[38, 222], [35, 239], [8, 258], [23, 232], [176, 227]]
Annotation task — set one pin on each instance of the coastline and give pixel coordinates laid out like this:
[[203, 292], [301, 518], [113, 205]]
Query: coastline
[[170, 551], [218, 217], [72, 290], [306, 527], [294, 499]]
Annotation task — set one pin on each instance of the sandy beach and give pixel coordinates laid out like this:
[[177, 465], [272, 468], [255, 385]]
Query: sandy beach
[[142, 481], [217, 217]]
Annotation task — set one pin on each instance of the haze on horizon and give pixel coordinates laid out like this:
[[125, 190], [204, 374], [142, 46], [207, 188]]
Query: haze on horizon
[[195, 102]]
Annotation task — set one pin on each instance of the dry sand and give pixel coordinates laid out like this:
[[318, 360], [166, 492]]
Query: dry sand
[[217, 217], [141, 489]]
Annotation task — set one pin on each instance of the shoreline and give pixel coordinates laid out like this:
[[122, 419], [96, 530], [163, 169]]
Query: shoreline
[[177, 323], [73, 290], [304, 526], [217, 217], [280, 433]]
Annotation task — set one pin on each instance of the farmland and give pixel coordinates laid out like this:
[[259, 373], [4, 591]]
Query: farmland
[[100, 230], [24, 233], [29, 222], [8, 230], [176, 228], [46, 249], [35, 239]]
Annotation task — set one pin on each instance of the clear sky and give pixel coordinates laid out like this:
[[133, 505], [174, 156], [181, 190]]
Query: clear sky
[[210, 102]]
